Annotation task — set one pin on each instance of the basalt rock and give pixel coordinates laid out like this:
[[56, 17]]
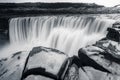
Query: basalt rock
[[11, 67], [40, 61], [114, 32], [89, 73], [104, 55], [103, 59]]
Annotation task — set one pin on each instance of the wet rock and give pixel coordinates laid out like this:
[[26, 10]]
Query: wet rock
[[102, 59], [11, 67], [87, 61], [114, 32], [39, 59], [98, 66], [45, 59], [89, 73], [103, 56]]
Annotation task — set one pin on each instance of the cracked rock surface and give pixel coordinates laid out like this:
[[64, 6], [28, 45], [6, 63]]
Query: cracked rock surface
[[102, 59]]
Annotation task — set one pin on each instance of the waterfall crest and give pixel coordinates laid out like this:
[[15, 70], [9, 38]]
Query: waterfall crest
[[65, 33]]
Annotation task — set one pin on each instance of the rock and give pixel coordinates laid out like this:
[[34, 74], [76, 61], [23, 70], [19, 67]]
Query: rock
[[89, 73], [44, 61], [105, 53], [114, 32], [103, 56], [11, 68], [112, 47], [40, 63], [87, 61], [116, 24]]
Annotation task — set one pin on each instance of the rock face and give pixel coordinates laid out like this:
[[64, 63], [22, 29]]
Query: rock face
[[106, 54], [11, 68], [44, 62], [114, 32]]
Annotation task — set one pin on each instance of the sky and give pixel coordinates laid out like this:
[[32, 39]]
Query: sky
[[108, 3]]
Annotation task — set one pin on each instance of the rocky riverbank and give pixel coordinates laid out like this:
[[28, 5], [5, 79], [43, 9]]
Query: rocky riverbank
[[105, 53]]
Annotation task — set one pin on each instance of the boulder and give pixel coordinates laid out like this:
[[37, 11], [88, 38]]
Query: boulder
[[104, 56], [11, 67], [89, 73], [114, 32], [40, 63], [101, 60]]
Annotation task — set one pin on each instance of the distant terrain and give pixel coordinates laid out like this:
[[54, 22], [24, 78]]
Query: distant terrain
[[24, 9], [27, 9]]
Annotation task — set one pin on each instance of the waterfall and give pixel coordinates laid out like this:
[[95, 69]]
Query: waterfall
[[65, 33]]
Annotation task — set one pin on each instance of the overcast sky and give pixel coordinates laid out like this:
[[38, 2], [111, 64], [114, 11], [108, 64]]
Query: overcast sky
[[101, 2]]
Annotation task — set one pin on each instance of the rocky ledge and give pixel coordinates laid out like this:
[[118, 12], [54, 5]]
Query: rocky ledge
[[39, 60], [105, 53]]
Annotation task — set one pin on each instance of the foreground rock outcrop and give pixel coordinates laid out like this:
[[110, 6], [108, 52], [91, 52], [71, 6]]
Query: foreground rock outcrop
[[105, 53], [41, 61], [11, 68]]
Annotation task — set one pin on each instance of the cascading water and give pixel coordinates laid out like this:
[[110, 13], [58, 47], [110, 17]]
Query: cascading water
[[65, 33]]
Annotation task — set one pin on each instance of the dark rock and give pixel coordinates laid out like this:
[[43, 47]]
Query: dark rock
[[113, 34], [87, 61], [44, 62], [116, 25], [90, 73], [105, 53]]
